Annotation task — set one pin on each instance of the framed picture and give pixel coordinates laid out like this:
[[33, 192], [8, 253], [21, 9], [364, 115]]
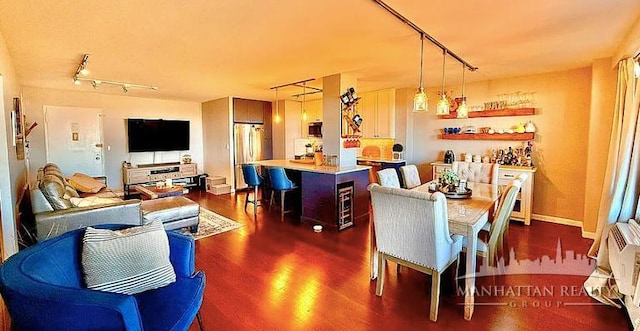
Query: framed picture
[[18, 116]]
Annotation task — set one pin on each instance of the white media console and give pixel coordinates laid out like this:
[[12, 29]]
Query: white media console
[[147, 174]]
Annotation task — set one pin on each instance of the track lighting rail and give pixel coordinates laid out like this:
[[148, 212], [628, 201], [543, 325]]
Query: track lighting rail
[[424, 34]]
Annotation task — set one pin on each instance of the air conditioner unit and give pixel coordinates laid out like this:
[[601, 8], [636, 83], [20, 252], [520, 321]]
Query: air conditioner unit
[[624, 257]]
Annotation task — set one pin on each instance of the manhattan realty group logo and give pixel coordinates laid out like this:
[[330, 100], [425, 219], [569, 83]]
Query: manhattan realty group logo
[[543, 282]]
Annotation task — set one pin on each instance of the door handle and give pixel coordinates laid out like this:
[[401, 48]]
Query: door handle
[[99, 145]]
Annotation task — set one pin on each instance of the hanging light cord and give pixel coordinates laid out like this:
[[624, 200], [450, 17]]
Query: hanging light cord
[[463, 67], [277, 113], [444, 58], [421, 56]]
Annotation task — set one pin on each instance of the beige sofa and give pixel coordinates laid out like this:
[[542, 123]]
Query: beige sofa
[[51, 200]]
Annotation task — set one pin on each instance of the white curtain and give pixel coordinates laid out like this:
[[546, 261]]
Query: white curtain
[[621, 190]]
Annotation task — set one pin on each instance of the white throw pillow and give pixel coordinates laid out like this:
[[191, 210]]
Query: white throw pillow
[[127, 261]]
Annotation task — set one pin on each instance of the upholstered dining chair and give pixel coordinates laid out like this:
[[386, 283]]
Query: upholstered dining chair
[[281, 183], [411, 229], [410, 176], [489, 250], [253, 180], [43, 289], [477, 172], [389, 178]]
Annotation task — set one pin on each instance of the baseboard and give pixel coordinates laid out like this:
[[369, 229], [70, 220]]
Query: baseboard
[[564, 221]]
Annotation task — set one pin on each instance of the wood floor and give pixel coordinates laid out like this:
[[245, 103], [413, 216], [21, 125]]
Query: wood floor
[[273, 275]]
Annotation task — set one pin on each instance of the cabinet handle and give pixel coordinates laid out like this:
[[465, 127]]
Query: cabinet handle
[[510, 176]]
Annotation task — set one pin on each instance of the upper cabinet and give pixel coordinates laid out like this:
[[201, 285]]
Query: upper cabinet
[[248, 111], [377, 109]]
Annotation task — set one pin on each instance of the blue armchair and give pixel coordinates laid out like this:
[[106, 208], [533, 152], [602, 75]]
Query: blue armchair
[[43, 289]]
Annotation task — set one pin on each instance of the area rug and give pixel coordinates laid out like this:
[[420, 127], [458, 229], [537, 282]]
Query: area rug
[[212, 224]]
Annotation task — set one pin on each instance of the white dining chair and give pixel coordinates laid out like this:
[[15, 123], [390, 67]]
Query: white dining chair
[[410, 176], [477, 172], [388, 177], [489, 250], [412, 230]]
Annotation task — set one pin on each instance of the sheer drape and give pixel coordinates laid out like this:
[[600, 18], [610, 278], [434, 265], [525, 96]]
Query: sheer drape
[[619, 199]]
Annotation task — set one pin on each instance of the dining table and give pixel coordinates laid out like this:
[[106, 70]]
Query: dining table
[[466, 217]]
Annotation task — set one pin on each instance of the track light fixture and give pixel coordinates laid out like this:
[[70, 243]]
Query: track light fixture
[[96, 83], [443, 105], [463, 110], [420, 99], [277, 117]]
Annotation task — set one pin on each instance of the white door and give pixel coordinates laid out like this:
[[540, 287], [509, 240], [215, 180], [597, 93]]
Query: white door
[[74, 139]]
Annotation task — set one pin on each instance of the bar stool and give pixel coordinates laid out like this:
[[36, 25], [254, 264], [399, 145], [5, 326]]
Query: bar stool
[[280, 182], [253, 180]]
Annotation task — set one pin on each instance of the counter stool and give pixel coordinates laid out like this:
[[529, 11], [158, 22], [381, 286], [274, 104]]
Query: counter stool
[[253, 180], [280, 182]]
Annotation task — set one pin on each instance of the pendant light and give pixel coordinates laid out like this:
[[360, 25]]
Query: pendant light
[[277, 117], [463, 110], [443, 105], [304, 99], [420, 99]]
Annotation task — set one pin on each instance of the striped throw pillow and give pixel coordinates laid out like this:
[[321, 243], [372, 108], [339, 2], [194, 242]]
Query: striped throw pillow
[[127, 261]]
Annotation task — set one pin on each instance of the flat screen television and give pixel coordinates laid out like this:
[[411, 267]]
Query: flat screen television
[[156, 135]]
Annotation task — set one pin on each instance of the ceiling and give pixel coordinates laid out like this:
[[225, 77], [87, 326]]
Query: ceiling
[[202, 50]]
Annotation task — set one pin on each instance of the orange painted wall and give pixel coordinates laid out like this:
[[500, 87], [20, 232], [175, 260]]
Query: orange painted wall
[[600, 122], [563, 106]]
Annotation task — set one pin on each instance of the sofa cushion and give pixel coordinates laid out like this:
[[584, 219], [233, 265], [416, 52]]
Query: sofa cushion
[[92, 201], [53, 190], [84, 183], [127, 261]]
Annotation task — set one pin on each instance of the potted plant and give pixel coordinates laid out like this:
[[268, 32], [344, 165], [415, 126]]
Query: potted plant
[[449, 180]]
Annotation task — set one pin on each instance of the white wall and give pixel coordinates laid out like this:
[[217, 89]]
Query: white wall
[[115, 109], [12, 170]]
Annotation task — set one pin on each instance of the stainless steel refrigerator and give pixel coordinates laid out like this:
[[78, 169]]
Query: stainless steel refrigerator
[[249, 141]]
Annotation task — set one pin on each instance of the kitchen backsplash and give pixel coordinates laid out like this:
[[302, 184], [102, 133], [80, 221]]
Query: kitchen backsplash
[[376, 147]]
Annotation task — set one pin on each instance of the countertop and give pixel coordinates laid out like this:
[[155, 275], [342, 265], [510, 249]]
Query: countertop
[[323, 169], [373, 159]]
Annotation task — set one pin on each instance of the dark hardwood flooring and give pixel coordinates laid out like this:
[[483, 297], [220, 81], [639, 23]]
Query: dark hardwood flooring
[[273, 275]]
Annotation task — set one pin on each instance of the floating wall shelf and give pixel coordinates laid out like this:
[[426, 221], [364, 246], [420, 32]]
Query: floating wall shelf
[[493, 113], [490, 136]]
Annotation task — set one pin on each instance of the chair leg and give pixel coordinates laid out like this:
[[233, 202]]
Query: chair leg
[[455, 272], [255, 199], [199, 320], [282, 193], [246, 200], [381, 267], [435, 296], [271, 200]]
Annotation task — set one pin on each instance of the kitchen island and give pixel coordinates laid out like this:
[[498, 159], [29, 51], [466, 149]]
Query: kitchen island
[[335, 197]]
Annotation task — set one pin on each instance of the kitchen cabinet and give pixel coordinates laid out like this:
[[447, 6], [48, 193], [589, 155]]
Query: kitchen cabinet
[[248, 111], [524, 200], [377, 109]]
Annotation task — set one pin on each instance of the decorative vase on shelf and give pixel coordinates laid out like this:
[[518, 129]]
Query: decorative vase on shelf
[[529, 127], [186, 159]]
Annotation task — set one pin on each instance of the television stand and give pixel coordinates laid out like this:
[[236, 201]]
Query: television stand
[[149, 174]]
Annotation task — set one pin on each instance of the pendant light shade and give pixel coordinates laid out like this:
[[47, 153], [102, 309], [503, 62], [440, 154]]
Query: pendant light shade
[[277, 117], [420, 99], [463, 111], [443, 105]]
